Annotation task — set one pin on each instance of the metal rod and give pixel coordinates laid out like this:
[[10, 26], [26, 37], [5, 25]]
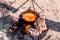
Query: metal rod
[[37, 5], [20, 6], [33, 5]]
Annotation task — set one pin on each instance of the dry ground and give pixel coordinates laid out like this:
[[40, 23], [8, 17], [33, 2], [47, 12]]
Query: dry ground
[[51, 9]]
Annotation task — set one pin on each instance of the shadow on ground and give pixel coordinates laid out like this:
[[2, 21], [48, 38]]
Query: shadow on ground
[[53, 25]]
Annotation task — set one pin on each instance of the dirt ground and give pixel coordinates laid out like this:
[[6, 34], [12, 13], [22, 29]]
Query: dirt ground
[[49, 8]]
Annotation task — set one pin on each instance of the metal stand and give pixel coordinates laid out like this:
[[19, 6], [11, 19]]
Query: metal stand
[[32, 1]]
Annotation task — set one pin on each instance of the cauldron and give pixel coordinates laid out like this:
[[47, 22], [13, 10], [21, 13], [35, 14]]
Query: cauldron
[[26, 20]]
